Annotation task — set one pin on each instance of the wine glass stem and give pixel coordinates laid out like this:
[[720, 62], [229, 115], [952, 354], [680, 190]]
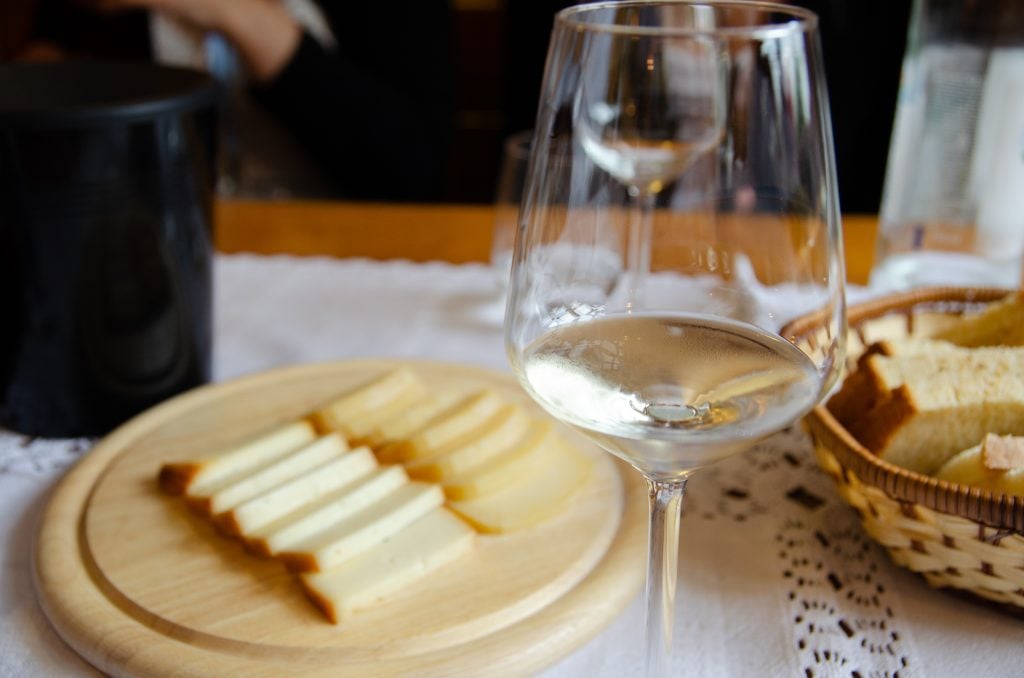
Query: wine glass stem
[[666, 499], [638, 263]]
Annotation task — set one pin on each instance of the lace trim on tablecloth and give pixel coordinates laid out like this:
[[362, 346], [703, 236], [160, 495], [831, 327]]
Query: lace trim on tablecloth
[[844, 622], [25, 455]]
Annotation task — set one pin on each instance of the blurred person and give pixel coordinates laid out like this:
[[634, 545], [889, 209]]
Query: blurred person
[[364, 91]]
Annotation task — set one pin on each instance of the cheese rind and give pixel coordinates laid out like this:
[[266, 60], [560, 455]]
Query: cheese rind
[[304, 523], [317, 453], [292, 495], [222, 466], [406, 557], [534, 498], [497, 436], [352, 536]]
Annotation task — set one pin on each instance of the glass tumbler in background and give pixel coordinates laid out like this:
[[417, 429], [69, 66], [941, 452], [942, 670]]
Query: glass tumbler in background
[[953, 206], [508, 194]]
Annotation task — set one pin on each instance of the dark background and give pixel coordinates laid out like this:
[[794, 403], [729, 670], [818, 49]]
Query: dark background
[[498, 50]]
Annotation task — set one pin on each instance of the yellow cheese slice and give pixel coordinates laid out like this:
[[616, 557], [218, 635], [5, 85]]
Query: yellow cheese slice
[[406, 557], [284, 534], [533, 499], [359, 429], [453, 428], [218, 468], [498, 435], [298, 492], [409, 420], [317, 453], [375, 523], [525, 458], [346, 413]]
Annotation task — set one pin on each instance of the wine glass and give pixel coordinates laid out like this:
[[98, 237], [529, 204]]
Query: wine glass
[[695, 138]]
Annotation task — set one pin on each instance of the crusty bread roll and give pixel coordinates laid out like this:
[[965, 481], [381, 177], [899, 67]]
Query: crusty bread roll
[[918, 409], [1000, 324], [861, 391]]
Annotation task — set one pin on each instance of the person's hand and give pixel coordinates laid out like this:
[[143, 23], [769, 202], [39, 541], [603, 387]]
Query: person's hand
[[264, 33]]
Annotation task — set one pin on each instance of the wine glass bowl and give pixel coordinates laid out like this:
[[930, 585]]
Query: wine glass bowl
[[694, 150]]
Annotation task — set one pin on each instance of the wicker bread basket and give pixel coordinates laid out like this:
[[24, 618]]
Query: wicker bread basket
[[956, 536]]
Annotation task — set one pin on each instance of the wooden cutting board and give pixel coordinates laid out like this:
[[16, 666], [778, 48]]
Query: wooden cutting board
[[139, 585]]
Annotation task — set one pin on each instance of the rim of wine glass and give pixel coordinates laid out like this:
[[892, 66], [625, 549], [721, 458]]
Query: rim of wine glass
[[802, 20]]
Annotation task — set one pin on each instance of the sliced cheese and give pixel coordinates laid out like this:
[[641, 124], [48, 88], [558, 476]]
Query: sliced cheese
[[221, 467], [395, 563], [359, 429], [497, 436], [298, 492], [411, 419], [346, 412], [296, 527], [453, 428], [372, 525], [534, 498], [523, 460], [317, 453]]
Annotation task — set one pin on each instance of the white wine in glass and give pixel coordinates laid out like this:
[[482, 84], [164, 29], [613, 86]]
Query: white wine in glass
[[698, 144]]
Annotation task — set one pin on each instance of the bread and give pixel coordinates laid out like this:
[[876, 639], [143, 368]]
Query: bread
[[923, 407], [1000, 324], [861, 390]]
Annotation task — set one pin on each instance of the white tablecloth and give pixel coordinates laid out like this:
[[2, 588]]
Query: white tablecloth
[[776, 576]]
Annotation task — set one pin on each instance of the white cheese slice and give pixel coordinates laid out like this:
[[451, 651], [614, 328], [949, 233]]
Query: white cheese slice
[[411, 419], [395, 563], [498, 435], [525, 458], [220, 467], [352, 536], [535, 497], [317, 453], [300, 491], [285, 533], [344, 413], [454, 428]]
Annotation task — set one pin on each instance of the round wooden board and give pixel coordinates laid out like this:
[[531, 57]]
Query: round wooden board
[[139, 585]]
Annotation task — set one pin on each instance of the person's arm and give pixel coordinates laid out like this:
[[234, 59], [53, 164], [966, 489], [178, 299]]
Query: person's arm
[[263, 32], [376, 113]]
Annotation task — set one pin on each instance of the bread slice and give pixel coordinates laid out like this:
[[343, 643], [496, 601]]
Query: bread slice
[[861, 390], [929, 406], [1000, 324]]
